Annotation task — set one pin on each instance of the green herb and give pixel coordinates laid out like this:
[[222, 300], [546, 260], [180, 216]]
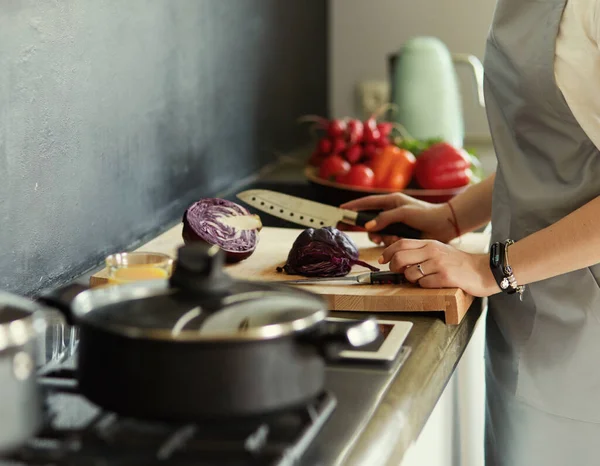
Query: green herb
[[417, 146]]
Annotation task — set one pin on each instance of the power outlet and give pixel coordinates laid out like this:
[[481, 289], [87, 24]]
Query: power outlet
[[372, 95]]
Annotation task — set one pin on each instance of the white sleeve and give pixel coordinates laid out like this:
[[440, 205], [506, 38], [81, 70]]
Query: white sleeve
[[577, 63], [596, 22]]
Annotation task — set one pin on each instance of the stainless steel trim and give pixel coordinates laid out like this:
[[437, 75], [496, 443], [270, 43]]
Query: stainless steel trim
[[87, 301], [478, 72], [349, 216]]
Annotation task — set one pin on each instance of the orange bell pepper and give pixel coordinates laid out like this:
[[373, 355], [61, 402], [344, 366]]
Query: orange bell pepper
[[393, 168]]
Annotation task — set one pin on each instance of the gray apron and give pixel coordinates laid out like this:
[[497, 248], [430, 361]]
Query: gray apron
[[542, 354]]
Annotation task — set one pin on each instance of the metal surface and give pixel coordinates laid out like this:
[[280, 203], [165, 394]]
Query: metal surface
[[97, 438], [20, 402], [255, 315], [363, 279], [367, 278], [20, 321], [296, 209], [381, 410]]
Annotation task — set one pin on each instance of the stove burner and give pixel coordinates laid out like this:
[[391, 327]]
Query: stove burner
[[78, 433]]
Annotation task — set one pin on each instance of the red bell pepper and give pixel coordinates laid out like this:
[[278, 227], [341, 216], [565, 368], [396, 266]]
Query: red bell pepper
[[443, 166]]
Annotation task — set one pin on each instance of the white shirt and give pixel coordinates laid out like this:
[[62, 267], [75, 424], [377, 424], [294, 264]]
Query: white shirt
[[577, 63]]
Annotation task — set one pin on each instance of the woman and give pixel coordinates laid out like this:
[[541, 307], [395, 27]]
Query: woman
[[542, 83]]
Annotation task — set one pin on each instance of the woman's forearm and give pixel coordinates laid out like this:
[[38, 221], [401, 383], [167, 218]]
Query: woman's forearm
[[570, 244], [473, 206]]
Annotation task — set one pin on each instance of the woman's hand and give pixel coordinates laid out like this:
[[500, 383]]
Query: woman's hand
[[434, 220], [433, 264]]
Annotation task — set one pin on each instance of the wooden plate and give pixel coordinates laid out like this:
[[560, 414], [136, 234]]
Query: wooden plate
[[337, 193]]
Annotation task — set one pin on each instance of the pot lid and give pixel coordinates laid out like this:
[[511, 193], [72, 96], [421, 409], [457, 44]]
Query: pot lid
[[200, 302]]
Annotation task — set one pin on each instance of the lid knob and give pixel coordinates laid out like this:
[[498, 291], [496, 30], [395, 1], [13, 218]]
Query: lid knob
[[199, 269]]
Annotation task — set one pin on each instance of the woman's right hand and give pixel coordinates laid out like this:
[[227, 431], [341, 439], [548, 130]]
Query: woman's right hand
[[434, 220]]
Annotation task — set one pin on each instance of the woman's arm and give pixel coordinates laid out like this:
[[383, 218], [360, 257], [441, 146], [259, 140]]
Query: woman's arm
[[473, 206], [570, 244], [473, 209]]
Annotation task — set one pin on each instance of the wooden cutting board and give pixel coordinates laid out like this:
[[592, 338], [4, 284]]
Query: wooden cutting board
[[272, 252]]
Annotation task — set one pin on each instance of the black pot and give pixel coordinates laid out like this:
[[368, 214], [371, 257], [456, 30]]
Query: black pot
[[202, 345], [20, 399]]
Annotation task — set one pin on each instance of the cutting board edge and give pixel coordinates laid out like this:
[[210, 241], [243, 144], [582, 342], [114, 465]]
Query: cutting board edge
[[454, 310]]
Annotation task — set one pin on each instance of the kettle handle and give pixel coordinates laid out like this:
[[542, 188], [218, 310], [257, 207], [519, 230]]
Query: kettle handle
[[473, 62]]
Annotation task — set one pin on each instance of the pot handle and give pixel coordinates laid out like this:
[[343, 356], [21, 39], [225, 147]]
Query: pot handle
[[333, 334], [473, 62], [61, 299]]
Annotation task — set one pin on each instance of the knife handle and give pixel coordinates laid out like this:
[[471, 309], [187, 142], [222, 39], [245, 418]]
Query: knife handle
[[400, 230], [380, 278]]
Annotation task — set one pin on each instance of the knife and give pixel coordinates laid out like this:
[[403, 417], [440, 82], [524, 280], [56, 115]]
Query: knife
[[314, 214], [369, 278]]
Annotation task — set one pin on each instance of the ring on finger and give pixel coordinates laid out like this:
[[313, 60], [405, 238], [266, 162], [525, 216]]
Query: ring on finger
[[420, 269]]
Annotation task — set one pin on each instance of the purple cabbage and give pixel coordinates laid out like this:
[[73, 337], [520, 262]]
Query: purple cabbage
[[224, 223], [323, 252]]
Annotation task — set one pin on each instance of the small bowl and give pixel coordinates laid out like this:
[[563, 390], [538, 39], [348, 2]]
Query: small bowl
[[336, 193], [128, 267]]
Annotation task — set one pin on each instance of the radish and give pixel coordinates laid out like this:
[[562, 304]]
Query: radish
[[338, 146], [336, 129], [385, 128], [354, 153], [371, 133], [324, 146], [369, 151], [382, 141], [355, 131]]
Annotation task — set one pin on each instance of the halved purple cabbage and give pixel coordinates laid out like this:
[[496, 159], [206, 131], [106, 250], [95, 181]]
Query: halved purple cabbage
[[323, 252], [223, 223]]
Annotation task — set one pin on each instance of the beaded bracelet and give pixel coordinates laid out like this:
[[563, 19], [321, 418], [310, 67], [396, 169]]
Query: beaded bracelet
[[502, 270], [508, 273]]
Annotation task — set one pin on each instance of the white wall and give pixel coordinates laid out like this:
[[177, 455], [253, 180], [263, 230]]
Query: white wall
[[364, 32]]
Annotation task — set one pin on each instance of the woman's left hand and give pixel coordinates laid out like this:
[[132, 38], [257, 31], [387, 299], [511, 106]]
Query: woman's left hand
[[433, 264]]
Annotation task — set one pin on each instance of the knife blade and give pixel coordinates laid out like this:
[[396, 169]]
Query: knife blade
[[315, 214], [368, 278]]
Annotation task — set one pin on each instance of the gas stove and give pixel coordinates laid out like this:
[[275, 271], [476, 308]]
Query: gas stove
[[78, 433]]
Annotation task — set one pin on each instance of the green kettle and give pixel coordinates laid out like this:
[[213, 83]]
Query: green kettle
[[425, 92]]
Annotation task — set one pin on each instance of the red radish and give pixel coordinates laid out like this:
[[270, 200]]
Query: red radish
[[369, 151], [354, 153], [355, 131], [338, 146], [336, 128], [382, 141], [385, 128], [371, 133], [324, 146]]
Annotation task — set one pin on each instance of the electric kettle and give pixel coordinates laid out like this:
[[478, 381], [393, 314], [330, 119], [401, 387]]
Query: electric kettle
[[425, 91]]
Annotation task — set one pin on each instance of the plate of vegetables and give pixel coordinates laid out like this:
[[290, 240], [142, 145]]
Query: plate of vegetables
[[353, 158]]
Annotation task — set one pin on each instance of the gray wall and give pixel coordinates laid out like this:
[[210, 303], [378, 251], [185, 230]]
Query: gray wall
[[116, 114]]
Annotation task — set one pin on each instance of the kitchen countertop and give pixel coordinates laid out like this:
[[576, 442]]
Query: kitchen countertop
[[380, 410]]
